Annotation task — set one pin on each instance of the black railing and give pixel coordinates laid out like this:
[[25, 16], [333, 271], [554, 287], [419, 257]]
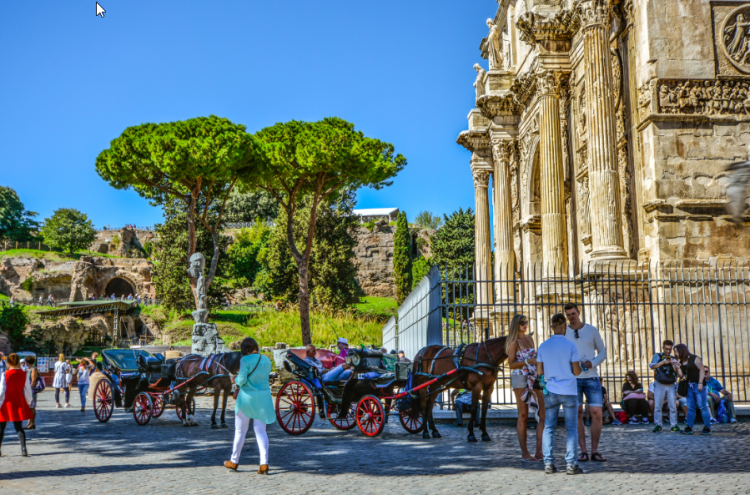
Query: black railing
[[635, 306]]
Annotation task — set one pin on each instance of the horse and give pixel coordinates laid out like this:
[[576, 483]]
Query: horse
[[477, 372], [213, 372]]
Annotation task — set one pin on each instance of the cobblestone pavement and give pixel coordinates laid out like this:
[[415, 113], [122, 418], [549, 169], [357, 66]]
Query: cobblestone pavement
[[71, 451]]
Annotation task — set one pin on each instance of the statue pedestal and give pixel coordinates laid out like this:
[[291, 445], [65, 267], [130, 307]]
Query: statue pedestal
[[499, 80], [206, 340]]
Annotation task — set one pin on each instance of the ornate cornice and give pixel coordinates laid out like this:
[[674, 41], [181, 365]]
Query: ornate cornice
[[560, 27], [494, 105], [594, 13], [474, 140], [524, 88]]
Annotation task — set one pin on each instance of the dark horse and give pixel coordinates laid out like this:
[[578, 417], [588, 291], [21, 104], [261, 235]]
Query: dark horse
[[214, 374], [435, 360]]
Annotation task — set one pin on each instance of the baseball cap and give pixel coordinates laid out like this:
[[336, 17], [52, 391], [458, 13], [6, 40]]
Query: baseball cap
[[342, 340]]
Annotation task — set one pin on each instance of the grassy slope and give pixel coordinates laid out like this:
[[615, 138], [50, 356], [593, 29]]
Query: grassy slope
[[384, 307], [271, 326], [49, 255]]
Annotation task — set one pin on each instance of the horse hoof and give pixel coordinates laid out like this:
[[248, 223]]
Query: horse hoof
[[224, 425], [185, 424], [472, 438], [214, 426], [486, 437], [426, 435], [436, 434]]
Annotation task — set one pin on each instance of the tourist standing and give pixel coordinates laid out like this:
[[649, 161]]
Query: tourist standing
[[15, 397], [12, 301], [62, 368], [521, 352], [252, 402], [558, 365], [33, 375], [85, 368], [697, 394], [592, 353], [69, 378], [666, 372]]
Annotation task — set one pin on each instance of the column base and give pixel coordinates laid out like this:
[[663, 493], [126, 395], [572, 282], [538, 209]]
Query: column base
[[500, 318], [609, 253]]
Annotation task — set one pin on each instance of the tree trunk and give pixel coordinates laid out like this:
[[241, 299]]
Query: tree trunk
[[304, 301], [191, 244]]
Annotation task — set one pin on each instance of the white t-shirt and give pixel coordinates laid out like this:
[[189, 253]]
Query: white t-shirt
[[556, 354], [590, 348]]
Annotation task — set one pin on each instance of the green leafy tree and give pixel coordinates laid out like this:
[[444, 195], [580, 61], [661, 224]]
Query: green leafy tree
[[243, 254], [68, 229], [13, 321], [419, 270], [428, 220], [333, 274], [170, 258], [453, 243], [317, 160], [16, 223], [402, 258], [247, 206], [196, 161]]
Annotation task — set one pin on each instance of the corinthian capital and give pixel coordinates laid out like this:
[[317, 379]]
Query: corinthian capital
[[501, 150], [481, 178], [595, 12], [550, 83]]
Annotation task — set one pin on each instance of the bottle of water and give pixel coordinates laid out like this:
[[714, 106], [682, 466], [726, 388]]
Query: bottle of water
[[583, 368], [543, 384]]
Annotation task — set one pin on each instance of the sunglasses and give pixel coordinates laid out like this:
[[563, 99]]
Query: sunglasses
[[576, 331], [524, 323]]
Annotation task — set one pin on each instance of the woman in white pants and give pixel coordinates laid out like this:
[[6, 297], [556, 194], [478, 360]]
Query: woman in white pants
[[253, 401]]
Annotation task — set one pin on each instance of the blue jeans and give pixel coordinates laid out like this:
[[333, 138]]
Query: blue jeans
[[698, 399], [593, 391], [552, 403], [82, 390], [337, 374]]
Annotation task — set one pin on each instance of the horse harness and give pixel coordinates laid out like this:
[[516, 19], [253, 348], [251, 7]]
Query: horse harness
[[458, 357]]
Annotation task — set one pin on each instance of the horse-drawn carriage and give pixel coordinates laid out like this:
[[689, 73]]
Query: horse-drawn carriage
[[365, 400], [137, 381]]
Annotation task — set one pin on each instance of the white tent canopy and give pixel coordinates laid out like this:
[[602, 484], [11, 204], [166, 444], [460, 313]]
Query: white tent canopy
[[367, 214]]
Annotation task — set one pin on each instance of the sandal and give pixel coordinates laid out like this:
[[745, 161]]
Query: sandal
[[596, 456], [583, 457]]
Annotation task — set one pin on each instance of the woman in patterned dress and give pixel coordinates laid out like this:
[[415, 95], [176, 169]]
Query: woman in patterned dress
[[522, 362]]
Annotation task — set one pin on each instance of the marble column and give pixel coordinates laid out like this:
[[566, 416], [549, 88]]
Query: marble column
[[505, 258], [552, 175], [604, 181], [483, 252]]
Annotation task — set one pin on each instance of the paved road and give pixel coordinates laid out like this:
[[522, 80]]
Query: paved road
[[71, 451]]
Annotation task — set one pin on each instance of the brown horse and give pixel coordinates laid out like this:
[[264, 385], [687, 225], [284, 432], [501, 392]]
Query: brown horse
[[435, 360], [216, 375]]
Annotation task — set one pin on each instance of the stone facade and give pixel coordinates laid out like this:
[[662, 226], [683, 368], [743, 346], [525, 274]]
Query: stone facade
[[607, 130]]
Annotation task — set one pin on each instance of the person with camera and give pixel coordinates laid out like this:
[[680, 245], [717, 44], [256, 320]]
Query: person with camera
[[666, 372]]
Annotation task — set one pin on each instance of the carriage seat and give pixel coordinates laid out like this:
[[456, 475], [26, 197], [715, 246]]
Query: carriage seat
[[151, 363], [298, 361]]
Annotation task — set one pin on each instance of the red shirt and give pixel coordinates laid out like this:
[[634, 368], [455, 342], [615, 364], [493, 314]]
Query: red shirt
[[15, 407]]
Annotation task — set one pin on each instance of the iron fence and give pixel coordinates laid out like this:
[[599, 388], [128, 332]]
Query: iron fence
[[635, 307]]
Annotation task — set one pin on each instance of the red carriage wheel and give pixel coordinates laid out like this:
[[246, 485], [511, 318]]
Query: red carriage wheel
[[142, 407], [295, 407], [103, 403], [347, 422], [158, 408], [370, 416], [412, 425], [179, 408]]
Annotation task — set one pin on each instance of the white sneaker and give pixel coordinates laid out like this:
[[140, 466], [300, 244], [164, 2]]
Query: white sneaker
[[732, 420], [714, 420], [633, 421], [67, 406], [645, 420], [58, 406]]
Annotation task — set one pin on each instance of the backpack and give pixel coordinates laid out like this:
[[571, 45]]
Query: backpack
[[665, 374], [721, 413]]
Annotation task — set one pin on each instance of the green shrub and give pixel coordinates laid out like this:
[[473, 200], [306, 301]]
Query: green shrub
[[28, 284], [370, 225]]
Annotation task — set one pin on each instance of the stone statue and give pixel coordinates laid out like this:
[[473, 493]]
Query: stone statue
[[479, 83], [494, 46], [205, 340], [583, 188]]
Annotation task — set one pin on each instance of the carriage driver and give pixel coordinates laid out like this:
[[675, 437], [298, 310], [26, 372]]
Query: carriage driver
[[340, 372]]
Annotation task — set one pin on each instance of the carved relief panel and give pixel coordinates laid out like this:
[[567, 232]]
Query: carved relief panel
[[731, 36]]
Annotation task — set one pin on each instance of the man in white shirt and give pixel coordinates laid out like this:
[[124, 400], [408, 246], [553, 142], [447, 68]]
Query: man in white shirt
[[592, 353], [557, 361]]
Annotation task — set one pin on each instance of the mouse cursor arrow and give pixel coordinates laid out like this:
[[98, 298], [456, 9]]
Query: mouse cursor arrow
[[100, 10]]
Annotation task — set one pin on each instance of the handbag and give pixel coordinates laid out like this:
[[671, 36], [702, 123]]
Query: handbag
[[237, 390], [38, 385], [682, 388]]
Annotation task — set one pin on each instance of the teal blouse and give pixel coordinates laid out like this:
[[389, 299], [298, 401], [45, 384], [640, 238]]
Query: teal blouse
[[254, 398]]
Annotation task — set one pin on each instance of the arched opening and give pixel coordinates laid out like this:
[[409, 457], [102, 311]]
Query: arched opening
[[119, 287]]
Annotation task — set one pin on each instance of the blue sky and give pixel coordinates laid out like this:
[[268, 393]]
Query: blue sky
[[401, 71]]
